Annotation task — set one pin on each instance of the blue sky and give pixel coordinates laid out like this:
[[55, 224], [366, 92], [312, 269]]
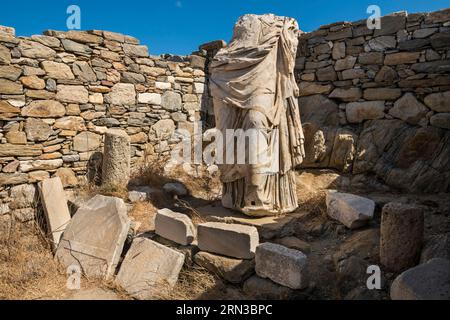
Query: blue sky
[[179, 26]]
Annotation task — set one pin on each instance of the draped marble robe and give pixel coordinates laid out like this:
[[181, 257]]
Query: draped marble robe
[[253, 87]]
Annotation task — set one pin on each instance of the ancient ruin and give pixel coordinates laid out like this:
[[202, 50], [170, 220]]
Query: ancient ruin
[[354, 123]]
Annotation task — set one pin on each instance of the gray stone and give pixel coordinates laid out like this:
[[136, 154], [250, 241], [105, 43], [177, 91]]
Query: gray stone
[[439, 102], [164, 129], [171, 101], [391, 24], [441, 120], [338, 50], [436, 246], [401, 239], [231, 269], [175, 188], [175, 226], [73, 46], [428, 281], [282, 265], [326, 74], [347, 95], [382, 93], [150, 98], [83, 71], [319, 110], [141, 193], [351, 210], [357, 112], [135, 51], [116, 158], [95, 236], [55, 207], [149, 268], [233, 240], [409, 109], [382, 43], [371, 58], [37, 130], [346, 63]]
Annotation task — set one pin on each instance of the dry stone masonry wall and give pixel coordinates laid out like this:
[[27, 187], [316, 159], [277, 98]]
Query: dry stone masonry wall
[[377, 102], [59, 92]]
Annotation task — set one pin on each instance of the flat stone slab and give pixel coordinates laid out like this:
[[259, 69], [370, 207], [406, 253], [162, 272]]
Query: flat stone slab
[[175, 226], [55, 206], [268, 227], [95, 236], [233, 240], [230, 269], [428, 281], [351, 210], [148, 268], [282, 265]]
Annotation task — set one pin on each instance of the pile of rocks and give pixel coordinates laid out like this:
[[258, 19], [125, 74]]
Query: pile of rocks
[[377, 101]]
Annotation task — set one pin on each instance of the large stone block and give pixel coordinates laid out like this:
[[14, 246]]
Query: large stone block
[[116, 158], [357, 112], [439, 102], [409, 109], [401, 238], [44, 109], [57, 70], [122, 94], [351, 210], [55, 207], [233, 240], [94, 238], [175, 226], [72, 94], [281, 265], [87, 141], [149, 268], [428, 281]]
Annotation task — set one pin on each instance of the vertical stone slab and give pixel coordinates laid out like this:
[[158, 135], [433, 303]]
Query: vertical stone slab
[[95, 236], [148, 268], [56, 211], [401, 236], [116, 158]]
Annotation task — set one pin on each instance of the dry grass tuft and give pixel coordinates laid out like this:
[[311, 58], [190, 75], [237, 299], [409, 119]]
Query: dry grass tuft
[[144, 214], [193, 283], [27, 268], [314, 203]]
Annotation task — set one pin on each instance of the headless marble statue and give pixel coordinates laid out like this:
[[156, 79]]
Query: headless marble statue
[[253, 87]]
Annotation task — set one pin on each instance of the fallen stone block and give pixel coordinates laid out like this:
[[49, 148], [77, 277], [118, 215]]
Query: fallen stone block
[[233, 240], [140, 194], [428, 281], [148, 268], [351, 210], [230, 269], [55, 206], [94, 238], [281, 265], [174, 226], [401, 237]]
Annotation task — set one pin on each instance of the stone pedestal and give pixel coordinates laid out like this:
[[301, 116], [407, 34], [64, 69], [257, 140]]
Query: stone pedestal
[[401, 236], [116, 158]]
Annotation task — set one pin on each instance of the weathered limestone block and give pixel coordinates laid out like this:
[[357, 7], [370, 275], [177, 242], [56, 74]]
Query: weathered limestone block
[[44, 109], [55, 207], [72, 94], [175, 226], [10, 150], [428, 281], [441, 120], [310, 88], [16, 137], [135, 50], [351, 210], [401, 239], [149, 268], [409, 109], [70, 123], [382, 93], [233, 240], [116, 158], [401, 58], [347, 95], [122, 94], [230, 269], [150, 98], [7, 179], [56, 70], [10, 72], [67, 176], [33, 165], [171, 101], [281, 265], [35, 50], [33, 82], [37, 130], [164, 129], [5, 55], [439, 102], [10, 87], [94, 238], [24, 196], [86, 141], [357, 112]]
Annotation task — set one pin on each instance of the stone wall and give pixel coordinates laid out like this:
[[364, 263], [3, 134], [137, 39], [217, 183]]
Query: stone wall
[[60, 91], [377, 102]]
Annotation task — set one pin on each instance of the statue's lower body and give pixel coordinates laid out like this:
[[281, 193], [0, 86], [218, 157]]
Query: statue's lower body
[[266, 187]]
